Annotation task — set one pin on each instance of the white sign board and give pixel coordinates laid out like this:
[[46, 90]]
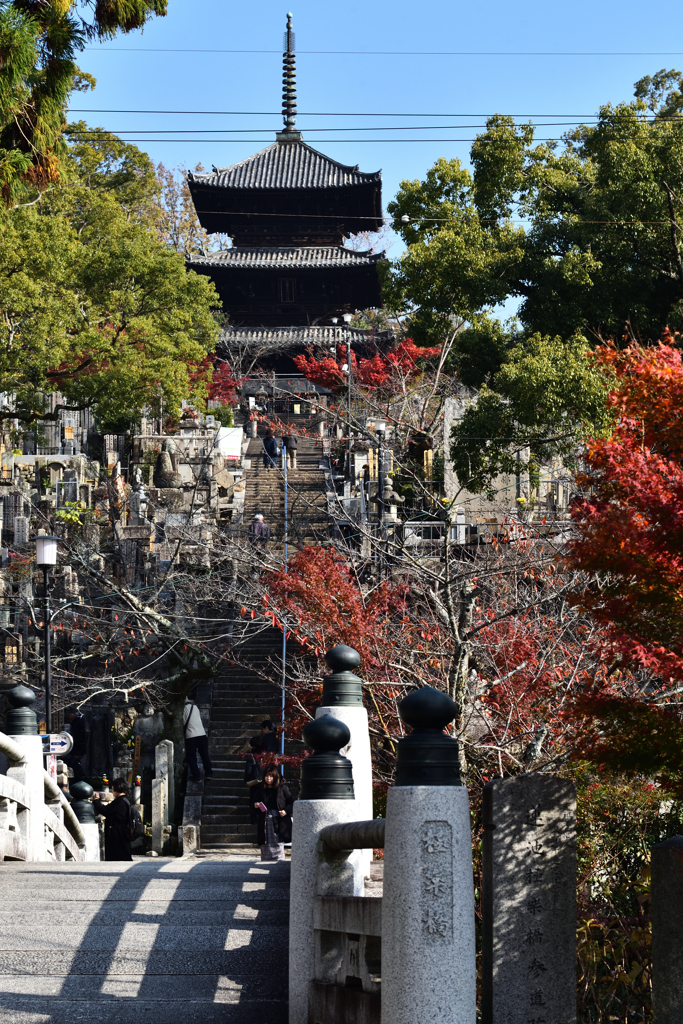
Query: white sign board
[[229, 442], [57, 743]]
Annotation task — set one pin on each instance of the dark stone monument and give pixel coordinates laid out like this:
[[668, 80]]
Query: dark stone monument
[[529, 901], [100, 760], [667, 931]]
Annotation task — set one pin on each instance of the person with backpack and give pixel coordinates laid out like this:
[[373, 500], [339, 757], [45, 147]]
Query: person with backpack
[[196, 741], [120, 826]]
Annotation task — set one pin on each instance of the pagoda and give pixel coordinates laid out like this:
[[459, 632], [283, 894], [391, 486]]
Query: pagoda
[[287, 275]]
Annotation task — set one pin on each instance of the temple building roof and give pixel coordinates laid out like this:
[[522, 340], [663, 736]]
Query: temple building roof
[[286, 257], [305, 337], [288, 163]]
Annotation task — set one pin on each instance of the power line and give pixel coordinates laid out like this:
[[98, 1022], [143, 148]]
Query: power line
[[404, 53], [304, 113], [377, 128], [259, 142]]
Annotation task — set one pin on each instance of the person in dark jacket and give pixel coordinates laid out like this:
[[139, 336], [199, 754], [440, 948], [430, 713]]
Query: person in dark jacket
[[269, 450], [268, 738], [79, 736], [252, 772], [259, 533], [290, 443], [273, 802], [118, 822]]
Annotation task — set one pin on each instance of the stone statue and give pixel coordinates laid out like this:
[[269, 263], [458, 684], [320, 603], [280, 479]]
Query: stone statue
[[165, 474]]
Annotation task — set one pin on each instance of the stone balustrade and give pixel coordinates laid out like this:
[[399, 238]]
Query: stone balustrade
[[36, 820]]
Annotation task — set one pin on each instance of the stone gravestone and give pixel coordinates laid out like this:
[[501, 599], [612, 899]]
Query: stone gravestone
[[21, 528], [529, 901], [163, 756], [159, 812], [100, 761], [667, 931]]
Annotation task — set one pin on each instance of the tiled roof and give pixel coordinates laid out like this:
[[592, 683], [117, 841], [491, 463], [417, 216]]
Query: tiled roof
[[285, 165], [277, 258], [287, 337]]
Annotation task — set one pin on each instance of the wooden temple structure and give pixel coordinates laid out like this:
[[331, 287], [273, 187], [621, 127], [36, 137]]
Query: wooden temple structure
[[287, 210]]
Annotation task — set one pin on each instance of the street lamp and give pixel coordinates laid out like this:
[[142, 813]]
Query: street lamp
[[46, 558]]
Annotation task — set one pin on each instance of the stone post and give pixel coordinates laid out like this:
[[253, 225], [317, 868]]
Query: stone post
[[667, 931], [343, 699], [188, 839], [163, 761], [159, 812], [529, 901], [82, 792], [326, 798], [428, 949]]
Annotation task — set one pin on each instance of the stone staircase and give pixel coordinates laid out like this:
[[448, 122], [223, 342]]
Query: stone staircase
[[307, 502], [240, 702], [242, 699]]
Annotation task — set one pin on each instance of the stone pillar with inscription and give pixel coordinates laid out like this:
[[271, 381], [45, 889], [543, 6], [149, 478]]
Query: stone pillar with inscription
[[667, 931], [428, 949], [529, 901]]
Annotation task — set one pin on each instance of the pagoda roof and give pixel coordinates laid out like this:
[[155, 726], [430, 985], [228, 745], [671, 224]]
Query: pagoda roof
[[287, 164], [286, 257]]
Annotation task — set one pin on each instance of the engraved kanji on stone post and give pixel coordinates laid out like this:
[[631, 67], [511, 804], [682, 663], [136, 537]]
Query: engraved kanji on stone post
[[529, 901]]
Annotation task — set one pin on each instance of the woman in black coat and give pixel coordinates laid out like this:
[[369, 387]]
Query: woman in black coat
[[117, 823], [273, 802]]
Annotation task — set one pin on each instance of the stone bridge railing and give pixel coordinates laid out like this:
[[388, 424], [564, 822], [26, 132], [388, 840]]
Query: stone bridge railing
[[37, 822], [408, 956]]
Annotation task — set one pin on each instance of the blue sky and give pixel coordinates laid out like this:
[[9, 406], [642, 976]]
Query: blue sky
[[140, 72]]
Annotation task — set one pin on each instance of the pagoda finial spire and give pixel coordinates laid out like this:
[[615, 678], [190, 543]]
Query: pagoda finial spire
[[289, 78]]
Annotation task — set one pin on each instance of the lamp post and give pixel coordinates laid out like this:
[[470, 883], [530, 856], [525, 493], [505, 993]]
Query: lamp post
[[46, 558]]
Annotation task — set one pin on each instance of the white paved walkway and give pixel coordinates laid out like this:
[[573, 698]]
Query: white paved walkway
[[181, 941]]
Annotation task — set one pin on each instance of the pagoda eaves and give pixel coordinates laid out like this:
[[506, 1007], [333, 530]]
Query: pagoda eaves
[[290, 194]]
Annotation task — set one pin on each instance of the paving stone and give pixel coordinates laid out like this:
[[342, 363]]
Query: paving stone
[[202, 939]]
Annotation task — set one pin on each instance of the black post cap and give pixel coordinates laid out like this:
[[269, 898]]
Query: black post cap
[[81, 792], [21, 719], [427, 756], [342, 688], [326, 774]]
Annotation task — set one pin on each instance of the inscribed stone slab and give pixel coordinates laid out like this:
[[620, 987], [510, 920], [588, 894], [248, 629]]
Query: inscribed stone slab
[[529, 901]]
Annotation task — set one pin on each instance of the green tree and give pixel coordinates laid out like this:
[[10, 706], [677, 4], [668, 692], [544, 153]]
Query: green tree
[[586, 235], [39, 43], [93, 305]]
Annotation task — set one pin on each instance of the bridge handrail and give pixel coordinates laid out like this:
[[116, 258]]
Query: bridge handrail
[[354, 835], [11, 749], [53, 792]]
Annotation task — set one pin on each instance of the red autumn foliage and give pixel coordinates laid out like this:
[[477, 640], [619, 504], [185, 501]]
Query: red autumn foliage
[[631, 525], [223, 383], [320, 594], [631, 542], [380, 373]]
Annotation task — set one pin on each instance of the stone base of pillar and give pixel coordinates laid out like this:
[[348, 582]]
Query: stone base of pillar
[[310, 878], [91, 832]]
